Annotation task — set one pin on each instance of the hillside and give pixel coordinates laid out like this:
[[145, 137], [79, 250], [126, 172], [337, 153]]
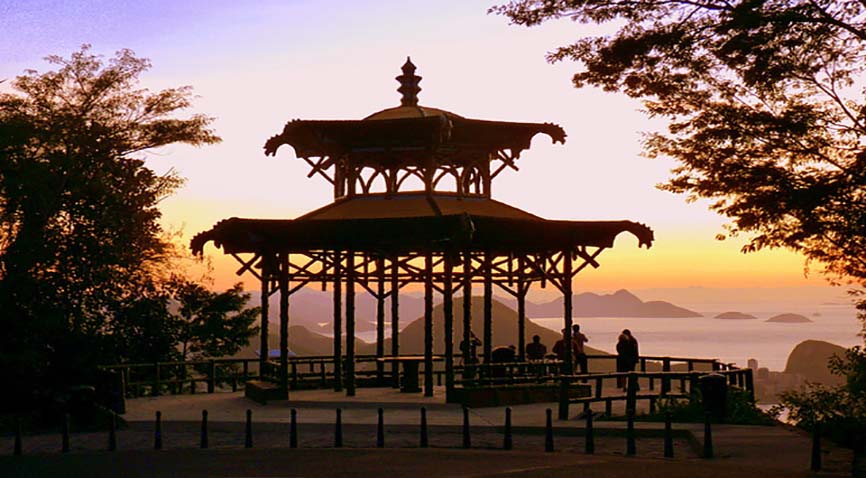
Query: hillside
[[304, 343], [622, 303], [809, 358]]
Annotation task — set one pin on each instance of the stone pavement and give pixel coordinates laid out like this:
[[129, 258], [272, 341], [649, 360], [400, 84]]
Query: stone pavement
[[740, 450]]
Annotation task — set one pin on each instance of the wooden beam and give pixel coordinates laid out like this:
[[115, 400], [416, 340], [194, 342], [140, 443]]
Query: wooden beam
[[395, 319], [284, 321], [263, 340], [467, 315], [338, 324], [380, 319], [448, 312], [488, 306], [521, 312], [428, 327], [350, 323]]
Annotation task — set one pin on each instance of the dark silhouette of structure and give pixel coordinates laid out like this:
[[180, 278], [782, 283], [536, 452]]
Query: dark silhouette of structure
[[381, 235]]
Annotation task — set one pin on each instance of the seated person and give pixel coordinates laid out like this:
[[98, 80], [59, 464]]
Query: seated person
[[536, 350]]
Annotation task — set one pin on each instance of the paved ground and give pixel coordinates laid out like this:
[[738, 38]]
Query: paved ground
[[739, 450]]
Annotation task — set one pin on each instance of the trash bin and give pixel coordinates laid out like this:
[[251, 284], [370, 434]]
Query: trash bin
[[714, 393]]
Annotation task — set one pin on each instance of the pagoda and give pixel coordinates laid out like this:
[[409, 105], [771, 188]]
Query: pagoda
[[380, 234]]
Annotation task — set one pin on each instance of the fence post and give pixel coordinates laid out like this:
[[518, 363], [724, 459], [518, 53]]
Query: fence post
[[507, 442], [211, 376], [708, 437], [631, 397], [608, 407], [467, 441], [338, 430], [815, 464], [157, 432], [589, 435], [64, 432], [630, 448], [380, 429], [669, 440], [293, 430], [112, 431], [156, 381], [248, 436], [203, 442], [423, 443]]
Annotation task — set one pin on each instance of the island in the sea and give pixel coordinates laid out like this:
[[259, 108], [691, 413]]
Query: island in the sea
[[735, 316], [790, 319]]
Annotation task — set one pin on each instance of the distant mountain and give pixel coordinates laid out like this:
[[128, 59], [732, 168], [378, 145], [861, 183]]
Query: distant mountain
[[622, 303], [735, 316], [504, 321], [314, 309], [809, 358], [304, 343], [789, 319]]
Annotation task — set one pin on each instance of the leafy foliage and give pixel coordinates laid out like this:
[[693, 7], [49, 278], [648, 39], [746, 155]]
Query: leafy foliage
[[82, 253], [765, 106]]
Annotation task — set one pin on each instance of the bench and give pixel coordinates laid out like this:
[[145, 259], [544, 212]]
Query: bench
[[261, 391]]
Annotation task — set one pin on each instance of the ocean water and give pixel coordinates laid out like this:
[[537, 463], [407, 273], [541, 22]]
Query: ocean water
[[733, 341]]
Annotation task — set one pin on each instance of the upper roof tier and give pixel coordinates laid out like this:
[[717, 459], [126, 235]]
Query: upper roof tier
[[409, 136]]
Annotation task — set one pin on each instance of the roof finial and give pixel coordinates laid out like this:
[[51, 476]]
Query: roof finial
[[409, 84]]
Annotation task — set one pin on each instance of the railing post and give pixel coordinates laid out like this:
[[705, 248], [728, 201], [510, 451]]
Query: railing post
[[548, 431], [467, 441], [211, 376], [380, 429], [203, 442], [338, 430], [423, 441], [157, 432], [669, 441], [248, 435], [631, 397], [507, 442], [293, 430], [563, 398]]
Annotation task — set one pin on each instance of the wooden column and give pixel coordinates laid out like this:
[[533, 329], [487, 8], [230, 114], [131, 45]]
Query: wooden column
[[522, 289], [395, 319], [448, 312], [284, 321], [428, 325], [266, 293], [350, 324], [338, 323], [488, 306], [566, 299], [380, 319], [467, 313]]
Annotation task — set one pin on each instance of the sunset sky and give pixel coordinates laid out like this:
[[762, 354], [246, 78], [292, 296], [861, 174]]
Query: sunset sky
[[256, 65]]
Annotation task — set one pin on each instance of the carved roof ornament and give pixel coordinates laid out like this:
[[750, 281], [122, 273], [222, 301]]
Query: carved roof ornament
[[409, 84]]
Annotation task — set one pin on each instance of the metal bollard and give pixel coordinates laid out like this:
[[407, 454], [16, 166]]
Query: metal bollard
[[338, 430], [589, 434], [18, 445], [548, 431], [630, 448], [64, 433], [204, 442], [248, 435], [507, 442], [112, 432], [669, 439], [380, 430], [467, 441], [708, 437], [157, 432], [424, 443], [293, 430], [815, 464]]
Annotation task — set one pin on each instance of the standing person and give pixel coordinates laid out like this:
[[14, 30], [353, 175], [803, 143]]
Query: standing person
[[536, 350], [580, 354], [627, 356], [560, 349], [470, 350]]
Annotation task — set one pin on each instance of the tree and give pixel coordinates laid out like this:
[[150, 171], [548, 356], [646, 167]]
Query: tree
[[212, 324], [766, 110], [80, 241]]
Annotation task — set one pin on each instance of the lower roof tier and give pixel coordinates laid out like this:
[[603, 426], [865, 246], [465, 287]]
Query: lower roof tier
[[416, 223]]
